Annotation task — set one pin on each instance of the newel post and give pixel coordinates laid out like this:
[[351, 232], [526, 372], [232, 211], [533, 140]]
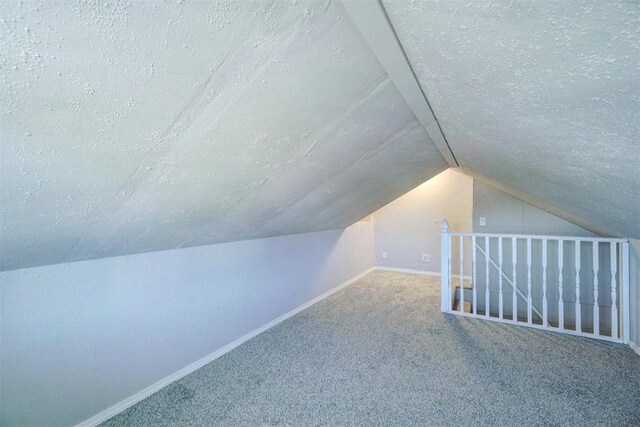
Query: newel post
[[445, 286]]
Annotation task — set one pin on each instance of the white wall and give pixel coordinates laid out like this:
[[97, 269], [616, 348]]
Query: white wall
[[409, 227], [78, 338], [508, 215]]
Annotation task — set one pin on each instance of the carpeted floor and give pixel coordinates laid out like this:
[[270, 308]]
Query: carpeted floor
[[380, 352]]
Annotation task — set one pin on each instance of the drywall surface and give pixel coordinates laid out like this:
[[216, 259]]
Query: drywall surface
[[143, 126], [541, 96], [634, 267], [507, 215], [78, 338], [409, 226]]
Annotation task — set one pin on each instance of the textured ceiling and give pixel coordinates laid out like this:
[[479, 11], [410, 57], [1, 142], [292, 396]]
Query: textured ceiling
[[133, 127], [540, 96], [137, 127]]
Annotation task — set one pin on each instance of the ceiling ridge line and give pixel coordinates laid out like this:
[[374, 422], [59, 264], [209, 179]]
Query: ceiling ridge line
[[371, 19], [424, 95]]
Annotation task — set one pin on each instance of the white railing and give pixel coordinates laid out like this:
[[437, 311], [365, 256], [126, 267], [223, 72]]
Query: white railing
[[574, 285]]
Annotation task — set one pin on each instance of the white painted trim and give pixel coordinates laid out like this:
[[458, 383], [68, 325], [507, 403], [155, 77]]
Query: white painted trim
[[634, 347], [411, 271], [540, 237], [408, 271], [445, 289], [536, 326], [625, 298], [153, 388]]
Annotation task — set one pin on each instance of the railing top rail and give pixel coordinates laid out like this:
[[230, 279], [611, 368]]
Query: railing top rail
[[539, 236]]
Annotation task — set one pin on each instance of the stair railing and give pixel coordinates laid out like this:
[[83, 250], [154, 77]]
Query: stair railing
[[522, 296], [581, 283]]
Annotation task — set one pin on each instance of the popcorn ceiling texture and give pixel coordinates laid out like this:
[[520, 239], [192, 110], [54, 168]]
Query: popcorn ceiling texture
[[134, 127], [142, 126], [543, 96]]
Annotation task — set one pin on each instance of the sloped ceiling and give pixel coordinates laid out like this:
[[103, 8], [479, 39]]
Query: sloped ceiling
[[133, 127], [541, 97]]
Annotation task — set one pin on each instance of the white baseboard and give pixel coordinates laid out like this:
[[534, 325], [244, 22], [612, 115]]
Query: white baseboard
[[634, 347], [420, 272], [408, 271], [153, 388]]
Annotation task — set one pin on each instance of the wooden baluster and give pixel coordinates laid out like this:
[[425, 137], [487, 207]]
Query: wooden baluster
[[544, 282], [614, 290], [473, 284], [529, 299], [560, 284], [596, 306], [625, 298], [500, 296], [486, 294], [578, 308], [514, 304], [461, 300]]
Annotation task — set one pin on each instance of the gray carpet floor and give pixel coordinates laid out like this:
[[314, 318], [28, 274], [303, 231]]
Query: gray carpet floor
[[380, 352]]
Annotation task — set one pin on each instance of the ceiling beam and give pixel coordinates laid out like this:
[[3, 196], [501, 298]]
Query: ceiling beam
[[373, 23]]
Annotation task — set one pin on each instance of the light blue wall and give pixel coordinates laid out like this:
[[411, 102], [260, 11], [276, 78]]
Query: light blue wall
[[508, 215], [78, 338]]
